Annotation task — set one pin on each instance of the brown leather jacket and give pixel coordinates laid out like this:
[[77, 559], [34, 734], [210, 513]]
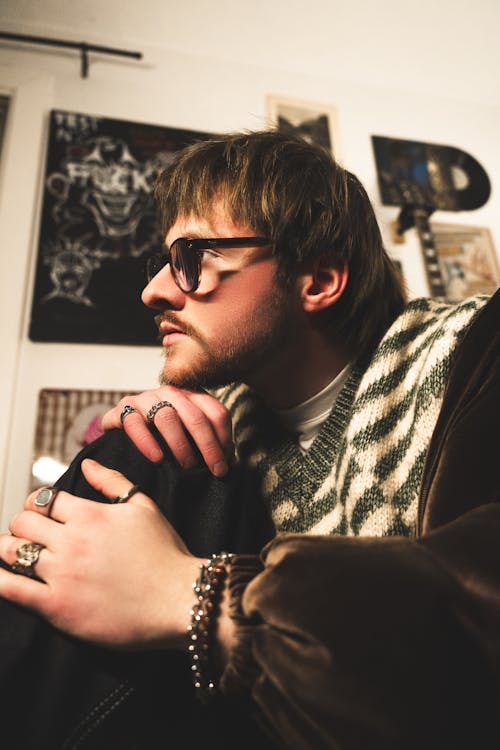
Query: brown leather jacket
[[355, 643]]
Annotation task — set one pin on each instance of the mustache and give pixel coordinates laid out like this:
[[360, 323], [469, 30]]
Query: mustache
[[167, 317]]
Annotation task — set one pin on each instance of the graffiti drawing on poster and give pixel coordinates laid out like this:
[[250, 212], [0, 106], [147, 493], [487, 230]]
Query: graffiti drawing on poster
[[99, 222]]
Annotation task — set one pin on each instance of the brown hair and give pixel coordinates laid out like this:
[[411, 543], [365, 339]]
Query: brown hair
[[311, 209]]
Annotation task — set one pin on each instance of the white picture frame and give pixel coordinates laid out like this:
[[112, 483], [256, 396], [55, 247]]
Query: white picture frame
[[315, 122], [467, 260]]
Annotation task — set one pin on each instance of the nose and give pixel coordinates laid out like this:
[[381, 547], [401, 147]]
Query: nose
[[162, 293]]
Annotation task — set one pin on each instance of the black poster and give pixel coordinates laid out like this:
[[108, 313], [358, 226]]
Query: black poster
[[99, 222]]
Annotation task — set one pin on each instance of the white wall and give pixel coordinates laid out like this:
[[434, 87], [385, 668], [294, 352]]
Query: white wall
[[209, 92]]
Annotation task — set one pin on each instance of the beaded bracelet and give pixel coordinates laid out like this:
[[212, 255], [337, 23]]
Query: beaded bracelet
[[208, 589]]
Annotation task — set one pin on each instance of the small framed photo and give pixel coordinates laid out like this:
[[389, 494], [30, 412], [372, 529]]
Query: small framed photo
[[468, 262], [67, 421], [316, 123]]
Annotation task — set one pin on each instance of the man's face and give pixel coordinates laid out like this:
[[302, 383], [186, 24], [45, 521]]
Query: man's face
[[236, 325]]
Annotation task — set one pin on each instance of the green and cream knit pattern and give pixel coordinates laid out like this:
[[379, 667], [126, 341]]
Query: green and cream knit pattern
[[362, 474]]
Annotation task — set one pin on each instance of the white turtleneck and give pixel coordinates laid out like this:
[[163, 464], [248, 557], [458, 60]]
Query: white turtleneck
[[305, 419]]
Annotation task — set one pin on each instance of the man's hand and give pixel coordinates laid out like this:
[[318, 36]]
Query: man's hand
[[117, 575], [198, 414]]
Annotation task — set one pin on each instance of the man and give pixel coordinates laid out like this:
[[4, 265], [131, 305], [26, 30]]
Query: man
[[365, 425]]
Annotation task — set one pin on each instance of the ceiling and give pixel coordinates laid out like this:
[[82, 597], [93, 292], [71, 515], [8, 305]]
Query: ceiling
[[443, 47]]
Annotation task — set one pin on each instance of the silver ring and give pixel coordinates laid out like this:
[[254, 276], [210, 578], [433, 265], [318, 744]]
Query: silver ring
[[45, 496], [27, 557], [126, 495], [156, 407], [127, 409]]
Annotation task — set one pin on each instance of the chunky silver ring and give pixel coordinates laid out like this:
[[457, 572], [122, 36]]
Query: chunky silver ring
[[127, 409], [126, 495], [45, 496], [27, 557], [156, 407]]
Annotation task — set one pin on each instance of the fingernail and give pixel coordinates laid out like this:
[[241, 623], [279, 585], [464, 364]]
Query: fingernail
[[220, 469]]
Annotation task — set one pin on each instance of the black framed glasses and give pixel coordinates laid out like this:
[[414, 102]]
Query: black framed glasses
[[185, 256]]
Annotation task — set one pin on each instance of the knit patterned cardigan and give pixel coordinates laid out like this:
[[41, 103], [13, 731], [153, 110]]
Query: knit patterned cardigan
[[362, 474]]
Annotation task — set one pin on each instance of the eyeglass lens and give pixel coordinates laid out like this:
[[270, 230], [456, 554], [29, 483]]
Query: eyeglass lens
[[185, 265], [183, 262]]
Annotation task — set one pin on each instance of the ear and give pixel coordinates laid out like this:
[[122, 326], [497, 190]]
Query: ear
[[322, 287]]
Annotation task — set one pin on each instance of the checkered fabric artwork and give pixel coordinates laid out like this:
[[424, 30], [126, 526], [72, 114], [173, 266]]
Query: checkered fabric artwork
[[67, 421]]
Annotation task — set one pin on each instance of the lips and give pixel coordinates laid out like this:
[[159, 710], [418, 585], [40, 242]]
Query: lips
[[167, 329], [170, 338], [170, 332], [166, 326]]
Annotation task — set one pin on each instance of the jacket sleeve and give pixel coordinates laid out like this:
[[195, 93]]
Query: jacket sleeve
[[373, 643], [392, 643]]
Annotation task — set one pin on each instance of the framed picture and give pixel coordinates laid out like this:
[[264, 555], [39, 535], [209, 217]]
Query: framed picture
[[467, 260], [316, 123], [67, 421], [98, 224]]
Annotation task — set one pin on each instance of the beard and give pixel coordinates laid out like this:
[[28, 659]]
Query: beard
[[245, 350]]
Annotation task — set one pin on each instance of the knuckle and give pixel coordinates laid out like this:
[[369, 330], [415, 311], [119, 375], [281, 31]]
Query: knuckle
[[198, 419], [11, 547], [212, 453], [113, 475], [156, 394], [143, 438], [121, 404], [110, 418], [77, 546], [221, 419], [218, 413], [181, 449], [14, 525], [165, 390], [115, 412], [148, 446], [30, 500], [93, 512], [167, 415], [85, 515], [10, 589], [219, 408], [60, 608]]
